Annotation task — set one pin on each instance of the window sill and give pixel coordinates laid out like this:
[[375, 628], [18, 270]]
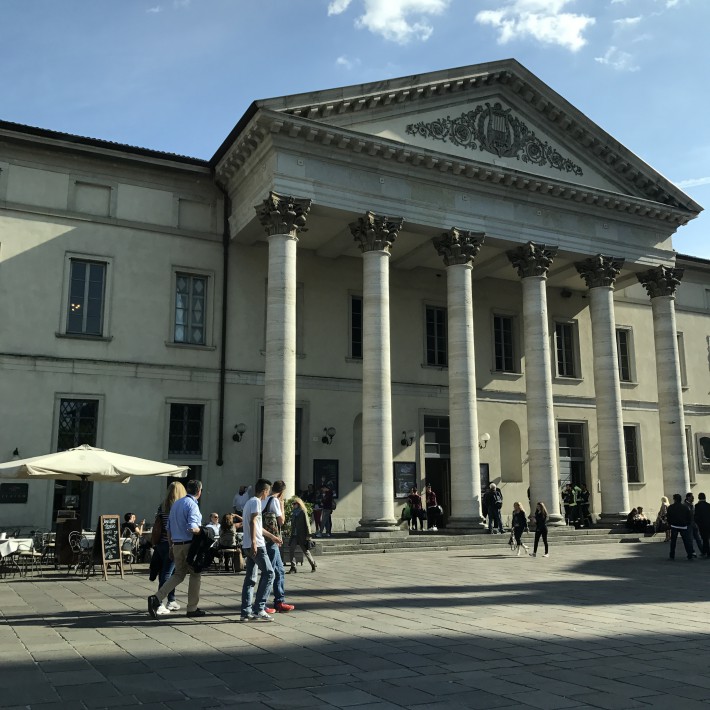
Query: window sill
[[506, 375], [299, 356], [558, 380], [188, 346], [628, 383], [81, 336], [356, 360], [440, 368], [636, 483]]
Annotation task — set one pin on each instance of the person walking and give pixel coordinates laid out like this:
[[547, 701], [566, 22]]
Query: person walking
[[415, 506], [679, 519], [540, 528], [432, 508], [254, 546], [300, 534], [520, 525], [662, 519], [493, 504], [694, 533], [702, 520], [176, 491], [585, 514], [273, 519], [184, 524], [327, 507]]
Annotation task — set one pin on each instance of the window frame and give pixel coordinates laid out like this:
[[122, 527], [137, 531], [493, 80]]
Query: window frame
[[515, 357], [352, 297], [188, 459], [630, 354], [77, 396], [574, 358], [683, 369], [107, 262], [439, 350], [638, 453], [209, 307]]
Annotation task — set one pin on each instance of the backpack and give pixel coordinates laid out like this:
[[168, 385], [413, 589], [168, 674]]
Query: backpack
[[498, 498], [270, 520]]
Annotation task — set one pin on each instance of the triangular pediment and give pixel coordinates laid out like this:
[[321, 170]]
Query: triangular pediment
[[498, 114]]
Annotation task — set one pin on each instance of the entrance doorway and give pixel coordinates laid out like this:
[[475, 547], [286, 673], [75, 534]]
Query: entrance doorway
[[571, 453], [437, 462]]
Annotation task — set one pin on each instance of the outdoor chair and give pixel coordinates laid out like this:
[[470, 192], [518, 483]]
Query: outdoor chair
[[28, 558]]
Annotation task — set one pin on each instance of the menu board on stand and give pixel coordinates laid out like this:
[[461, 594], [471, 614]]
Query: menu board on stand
[[107, 545]]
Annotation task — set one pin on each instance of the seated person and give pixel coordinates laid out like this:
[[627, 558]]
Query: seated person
[[231, 539], [214, 523], [130, 525], [630, 518], [641, 521]]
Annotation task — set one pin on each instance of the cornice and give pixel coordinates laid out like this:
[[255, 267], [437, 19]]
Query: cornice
[[273, 123]]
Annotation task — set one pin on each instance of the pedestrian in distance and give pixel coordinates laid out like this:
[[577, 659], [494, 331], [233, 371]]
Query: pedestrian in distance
[[661, 524], [415, 506], [184, 525], [541, 517], [492, 504], [432, 509], [273, 519], [679, 519], [693, 528], [520, 525], [300, 534], [257, 560], [702, 521]]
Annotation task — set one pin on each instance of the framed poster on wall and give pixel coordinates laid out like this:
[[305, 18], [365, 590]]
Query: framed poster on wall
[[325, 473], [405, 476]]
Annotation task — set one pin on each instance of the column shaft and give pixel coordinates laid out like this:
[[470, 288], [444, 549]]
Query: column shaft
[[463, 418], [279, 435], [676, 476]]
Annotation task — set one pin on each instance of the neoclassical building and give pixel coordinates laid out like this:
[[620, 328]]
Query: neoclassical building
[[454, 278]]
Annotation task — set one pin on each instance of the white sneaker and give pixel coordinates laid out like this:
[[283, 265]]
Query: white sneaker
[[546, 555], [173, 606], [518, 555], [435, 529], [262, 616], [162, 610]]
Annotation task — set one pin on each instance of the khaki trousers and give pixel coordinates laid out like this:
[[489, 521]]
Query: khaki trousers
[[182, 569]]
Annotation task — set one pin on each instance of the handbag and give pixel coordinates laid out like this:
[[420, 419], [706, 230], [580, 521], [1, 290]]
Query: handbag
[[310, 544], [157, 532]]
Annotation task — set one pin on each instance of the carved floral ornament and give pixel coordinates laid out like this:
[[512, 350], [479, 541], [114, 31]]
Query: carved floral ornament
[[599, 270], [281, 214], [532, 259], [496, 130], [661, 280], [375, 233], [458, 246]]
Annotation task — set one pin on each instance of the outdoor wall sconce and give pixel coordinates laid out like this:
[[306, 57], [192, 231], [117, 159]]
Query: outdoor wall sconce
[[483, 440], [16, 453], [240, 429], [328, 434], [408, 437]]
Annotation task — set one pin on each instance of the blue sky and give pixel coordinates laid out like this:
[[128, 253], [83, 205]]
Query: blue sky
[[176, 75]]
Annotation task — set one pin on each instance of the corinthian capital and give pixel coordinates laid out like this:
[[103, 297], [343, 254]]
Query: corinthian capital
[[532, 259], [458, 246], [281, 214], [375, 233], [661, 280], [599, 270]]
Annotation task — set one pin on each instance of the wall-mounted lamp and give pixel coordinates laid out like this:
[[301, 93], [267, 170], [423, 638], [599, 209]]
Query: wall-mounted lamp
[[239, 432], [483, 440], [328, 434], [408, 437], [16, 453]]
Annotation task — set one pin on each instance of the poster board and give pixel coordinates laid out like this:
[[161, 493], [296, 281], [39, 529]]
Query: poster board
[[405, 478], [107, 544]]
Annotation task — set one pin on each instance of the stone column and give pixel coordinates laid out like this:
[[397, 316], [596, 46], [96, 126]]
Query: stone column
[[661, 284], [283, 218], [532, 262], [600, 274], [375, 236], [458, 250]]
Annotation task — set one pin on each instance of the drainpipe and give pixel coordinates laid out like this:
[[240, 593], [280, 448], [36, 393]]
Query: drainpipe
[[223, 345]]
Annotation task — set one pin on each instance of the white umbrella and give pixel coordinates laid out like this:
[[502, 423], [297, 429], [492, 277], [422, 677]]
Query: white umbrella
[[86, 463]]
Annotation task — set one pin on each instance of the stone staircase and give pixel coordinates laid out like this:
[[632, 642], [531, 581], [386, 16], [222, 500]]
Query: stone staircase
[[345, 544]]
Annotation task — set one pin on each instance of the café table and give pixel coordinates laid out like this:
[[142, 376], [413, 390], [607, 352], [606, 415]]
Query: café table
[[8, 548]]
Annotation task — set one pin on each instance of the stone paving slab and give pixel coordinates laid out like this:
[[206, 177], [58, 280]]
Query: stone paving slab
[[605, 626]]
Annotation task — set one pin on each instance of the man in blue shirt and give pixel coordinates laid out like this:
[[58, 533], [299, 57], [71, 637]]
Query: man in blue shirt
[[183, 524]]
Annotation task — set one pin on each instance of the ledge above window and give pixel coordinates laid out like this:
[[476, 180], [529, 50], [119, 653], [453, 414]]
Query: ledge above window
[[502, 374], [188, 346], [84, 336]]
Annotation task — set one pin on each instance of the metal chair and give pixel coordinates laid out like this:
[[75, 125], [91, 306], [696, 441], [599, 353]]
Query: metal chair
[[28, 557]]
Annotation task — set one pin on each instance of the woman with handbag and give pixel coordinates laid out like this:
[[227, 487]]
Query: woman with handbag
[[520, 525], [161, 544], [432, 508], [300, 534]]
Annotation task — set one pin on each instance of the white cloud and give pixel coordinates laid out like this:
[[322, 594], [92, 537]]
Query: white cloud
[[694, 182], [396, 20], [346, 62], [155, 9], [617, 59], [628, 21], [542, 20]]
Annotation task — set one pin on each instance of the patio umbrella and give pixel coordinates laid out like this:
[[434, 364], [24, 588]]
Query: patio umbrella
[[88, 464]]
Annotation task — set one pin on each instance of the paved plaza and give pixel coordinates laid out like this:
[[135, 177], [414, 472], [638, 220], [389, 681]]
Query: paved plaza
[[593, 626]]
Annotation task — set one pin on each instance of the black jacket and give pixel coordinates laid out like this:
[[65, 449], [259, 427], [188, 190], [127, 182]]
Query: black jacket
[[201, 552], [519, 520], [540, 520], [702, 514], [678, 515]]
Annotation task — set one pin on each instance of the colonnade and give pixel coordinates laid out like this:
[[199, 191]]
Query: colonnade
[[284, 217]]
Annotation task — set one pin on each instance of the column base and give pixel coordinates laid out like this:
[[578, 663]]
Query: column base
[[556, 519], [387, 525], [466, 523]]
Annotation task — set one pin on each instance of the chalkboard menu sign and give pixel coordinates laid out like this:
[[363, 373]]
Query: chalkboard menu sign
[[108, 543], [13, 492]]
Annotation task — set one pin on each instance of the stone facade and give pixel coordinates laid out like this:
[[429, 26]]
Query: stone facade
[[138, 321]]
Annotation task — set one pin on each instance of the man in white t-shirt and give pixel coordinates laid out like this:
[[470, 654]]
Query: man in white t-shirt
[[254, 547], [241, 497]]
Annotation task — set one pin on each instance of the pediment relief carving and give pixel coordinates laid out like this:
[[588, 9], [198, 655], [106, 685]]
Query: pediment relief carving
[[494, 128]]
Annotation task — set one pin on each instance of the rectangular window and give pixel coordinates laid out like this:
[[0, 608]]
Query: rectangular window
[[565, 350], [681, 360], [623, 353], [78, 423], [633, 470], [190, 309], [436, 346], [689, 453], [356, 327], [186, 426], [87, 287], [503, 340]]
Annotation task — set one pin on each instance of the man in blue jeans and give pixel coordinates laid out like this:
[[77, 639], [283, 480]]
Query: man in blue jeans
[[254, 547]]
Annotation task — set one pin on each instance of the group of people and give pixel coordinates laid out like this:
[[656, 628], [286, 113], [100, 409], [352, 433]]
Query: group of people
[[416, 510], [688, 519], [575, 501], [253, 531], [324, 503]]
